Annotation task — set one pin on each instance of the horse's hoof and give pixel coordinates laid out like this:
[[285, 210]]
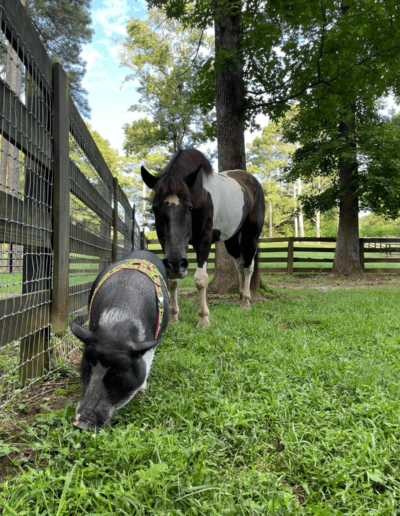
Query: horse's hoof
[[141, 393], [173, 318], [204, 321], [245, 303]]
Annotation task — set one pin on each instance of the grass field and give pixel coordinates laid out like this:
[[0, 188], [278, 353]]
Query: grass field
[[289, 408]]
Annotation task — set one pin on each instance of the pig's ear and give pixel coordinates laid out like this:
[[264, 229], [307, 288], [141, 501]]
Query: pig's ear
[[83, 334], [138, 348]]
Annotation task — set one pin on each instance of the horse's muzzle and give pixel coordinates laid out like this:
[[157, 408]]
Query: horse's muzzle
[[176, 269]]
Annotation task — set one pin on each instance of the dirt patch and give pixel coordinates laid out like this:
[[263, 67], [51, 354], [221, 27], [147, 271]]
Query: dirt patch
[[38, 400], [326, 282], [52, 392]]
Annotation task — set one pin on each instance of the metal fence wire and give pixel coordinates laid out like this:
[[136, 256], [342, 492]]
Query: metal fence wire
[[96, 224]]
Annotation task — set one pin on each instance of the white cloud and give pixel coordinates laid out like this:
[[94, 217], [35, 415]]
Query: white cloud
[[113, 17], [91, 56]]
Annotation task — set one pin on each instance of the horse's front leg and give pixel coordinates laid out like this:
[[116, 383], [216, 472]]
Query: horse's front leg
[[201, 282], [240, 268], [173, 293], [248, 273]]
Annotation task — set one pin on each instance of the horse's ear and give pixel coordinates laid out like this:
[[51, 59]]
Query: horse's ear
[[83, 334], [148, 178], [191, 178]]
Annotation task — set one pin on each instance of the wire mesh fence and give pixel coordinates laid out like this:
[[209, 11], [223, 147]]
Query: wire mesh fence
[[61, 220]]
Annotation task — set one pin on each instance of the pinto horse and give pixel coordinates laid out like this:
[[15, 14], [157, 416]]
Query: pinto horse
[[194, 205]]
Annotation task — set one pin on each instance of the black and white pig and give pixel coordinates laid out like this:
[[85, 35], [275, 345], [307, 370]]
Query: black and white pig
[[120, 343]]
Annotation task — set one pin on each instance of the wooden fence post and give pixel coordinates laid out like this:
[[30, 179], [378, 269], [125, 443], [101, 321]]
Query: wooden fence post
[[133, 227], [115, 221], [61, 204], [290, 255], [10, 258], [361, 247], [143, 243]]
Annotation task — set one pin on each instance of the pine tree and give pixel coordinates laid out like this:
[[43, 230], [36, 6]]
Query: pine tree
[[64, 26]]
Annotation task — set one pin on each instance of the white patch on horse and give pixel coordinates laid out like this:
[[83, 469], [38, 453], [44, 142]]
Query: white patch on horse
[[112, 316], [172, 199], [228, 199]]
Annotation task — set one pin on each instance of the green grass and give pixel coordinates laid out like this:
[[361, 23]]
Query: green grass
[[291, 407]]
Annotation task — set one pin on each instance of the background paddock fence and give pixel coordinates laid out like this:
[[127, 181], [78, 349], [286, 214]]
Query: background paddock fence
[[292, 255], [63, 216]]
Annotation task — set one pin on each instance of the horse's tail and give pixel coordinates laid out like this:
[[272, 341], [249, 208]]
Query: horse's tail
[[255, 278]]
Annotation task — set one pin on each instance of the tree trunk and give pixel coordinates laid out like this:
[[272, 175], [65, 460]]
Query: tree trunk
[[318, 214], [301, 221], [270, 219], [347, 254], [318, 224], [144, 206], [229, 101], [296, 225]]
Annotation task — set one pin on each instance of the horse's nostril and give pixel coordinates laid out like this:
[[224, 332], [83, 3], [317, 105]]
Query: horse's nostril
[[167, 264], [183, 264]]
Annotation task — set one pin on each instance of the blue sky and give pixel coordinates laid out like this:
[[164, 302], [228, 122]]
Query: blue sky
[[109, 98]]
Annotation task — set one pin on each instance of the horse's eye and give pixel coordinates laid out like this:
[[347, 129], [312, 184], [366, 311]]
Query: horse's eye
[[189, 209]]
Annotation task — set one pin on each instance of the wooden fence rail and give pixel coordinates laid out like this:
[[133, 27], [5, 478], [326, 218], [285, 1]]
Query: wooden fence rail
[[292, 248]]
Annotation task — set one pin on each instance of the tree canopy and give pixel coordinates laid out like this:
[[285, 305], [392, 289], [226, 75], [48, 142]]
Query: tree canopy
[[164, 57], [377, 181], [310, 51], [64, 26]]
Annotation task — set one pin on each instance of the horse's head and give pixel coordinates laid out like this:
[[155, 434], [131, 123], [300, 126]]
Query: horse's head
[[172, 207]]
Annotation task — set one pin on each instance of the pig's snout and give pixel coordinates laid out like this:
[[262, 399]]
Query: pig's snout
[[80, 423]]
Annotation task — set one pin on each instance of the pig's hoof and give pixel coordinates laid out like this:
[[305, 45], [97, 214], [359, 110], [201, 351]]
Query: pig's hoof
[[141, 393], [174, 318], [245, 303], [203, 321]]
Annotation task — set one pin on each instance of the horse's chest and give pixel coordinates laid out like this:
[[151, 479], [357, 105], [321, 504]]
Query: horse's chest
[[228, 204]]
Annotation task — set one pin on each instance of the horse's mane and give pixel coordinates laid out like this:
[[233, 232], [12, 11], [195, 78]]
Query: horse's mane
[[184, 162]]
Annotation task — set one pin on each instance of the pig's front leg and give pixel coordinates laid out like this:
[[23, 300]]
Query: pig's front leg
[[173, 291]]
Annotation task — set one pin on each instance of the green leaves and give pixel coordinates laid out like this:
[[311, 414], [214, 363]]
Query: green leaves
[[164, 57], [64, 26], [324, 149]]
